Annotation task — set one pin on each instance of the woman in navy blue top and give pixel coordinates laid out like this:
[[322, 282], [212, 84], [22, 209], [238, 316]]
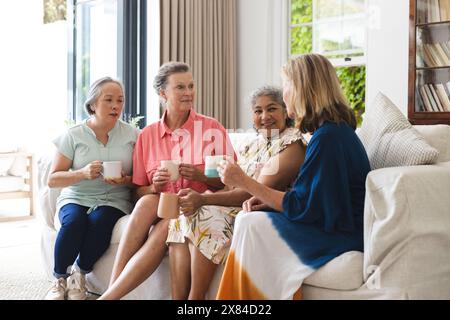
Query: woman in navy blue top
[[321, 217]]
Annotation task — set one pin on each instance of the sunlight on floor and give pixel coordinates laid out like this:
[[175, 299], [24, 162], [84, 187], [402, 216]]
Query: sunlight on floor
[[22, 276]]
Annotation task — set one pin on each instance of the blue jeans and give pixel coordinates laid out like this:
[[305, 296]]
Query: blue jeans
[[84, 235]]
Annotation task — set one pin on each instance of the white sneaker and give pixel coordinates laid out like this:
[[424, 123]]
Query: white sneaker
[[58, 290], [76, 286]]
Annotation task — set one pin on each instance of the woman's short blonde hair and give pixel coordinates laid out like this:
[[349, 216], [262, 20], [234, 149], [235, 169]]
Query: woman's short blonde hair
[[316, 93]]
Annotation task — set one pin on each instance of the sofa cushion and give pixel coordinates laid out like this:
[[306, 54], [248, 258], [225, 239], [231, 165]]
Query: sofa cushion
[[344, 272], [390, 140], [119, 229], [438, 136]]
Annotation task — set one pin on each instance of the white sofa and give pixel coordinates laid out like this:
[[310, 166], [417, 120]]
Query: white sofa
[[406, 233]]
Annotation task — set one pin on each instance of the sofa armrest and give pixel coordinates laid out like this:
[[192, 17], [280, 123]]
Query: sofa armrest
[[47, 196], [406, 225]]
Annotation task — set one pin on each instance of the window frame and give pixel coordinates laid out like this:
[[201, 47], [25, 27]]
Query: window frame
[[132, 64], [337, 62]]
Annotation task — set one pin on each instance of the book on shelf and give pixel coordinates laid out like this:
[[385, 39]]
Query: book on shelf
[[429, 59], [421, 8], [447, 90], [446, 48], [429, 95], [435, 97], [435, 54], [444, 6], [443, 97], [433, 12], [436, 10], [445, 61], [426, 106]]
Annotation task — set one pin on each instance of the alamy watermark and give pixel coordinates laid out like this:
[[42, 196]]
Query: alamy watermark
[[193, 146]]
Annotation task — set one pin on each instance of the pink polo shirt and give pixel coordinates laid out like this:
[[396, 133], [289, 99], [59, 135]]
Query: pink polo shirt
[[199, 136]]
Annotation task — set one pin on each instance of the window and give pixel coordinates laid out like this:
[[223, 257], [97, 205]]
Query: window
[[334, 28], [105, 43], [337, 30]]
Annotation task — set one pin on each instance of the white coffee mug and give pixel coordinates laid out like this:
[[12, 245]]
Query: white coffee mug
[[173, 167], [112, 169]]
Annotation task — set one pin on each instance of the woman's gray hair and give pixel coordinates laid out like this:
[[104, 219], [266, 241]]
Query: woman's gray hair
[[167, 70], [276, 93], [96, 90]]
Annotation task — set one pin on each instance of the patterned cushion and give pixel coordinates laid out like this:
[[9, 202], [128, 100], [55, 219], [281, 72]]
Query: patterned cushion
[[390, 140]]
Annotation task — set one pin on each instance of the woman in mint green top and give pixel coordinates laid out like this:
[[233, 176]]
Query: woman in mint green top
[[81, 145], [89, 205]]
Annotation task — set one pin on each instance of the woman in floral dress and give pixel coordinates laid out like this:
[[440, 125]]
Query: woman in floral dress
[[199, 240]]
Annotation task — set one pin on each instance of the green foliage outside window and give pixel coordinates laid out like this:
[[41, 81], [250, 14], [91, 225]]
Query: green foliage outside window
[[353, 79], [301, 37], [353, 82], [54, 10]]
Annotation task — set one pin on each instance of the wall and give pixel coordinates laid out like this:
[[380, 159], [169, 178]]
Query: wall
[[262, 49], [387, 57], [33, 81]]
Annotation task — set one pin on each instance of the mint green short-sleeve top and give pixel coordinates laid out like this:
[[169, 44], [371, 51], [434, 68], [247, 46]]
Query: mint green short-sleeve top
[[80, 145]]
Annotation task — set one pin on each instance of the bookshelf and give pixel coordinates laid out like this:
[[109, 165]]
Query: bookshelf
[[429, 62]]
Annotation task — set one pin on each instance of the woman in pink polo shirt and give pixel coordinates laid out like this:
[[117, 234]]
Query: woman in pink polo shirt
[[181, 134]]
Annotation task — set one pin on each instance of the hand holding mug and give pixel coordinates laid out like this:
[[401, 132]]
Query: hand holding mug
[[190, 201], [160, 178], [231, 174], [124, 179], [190, 172], [92, 170]]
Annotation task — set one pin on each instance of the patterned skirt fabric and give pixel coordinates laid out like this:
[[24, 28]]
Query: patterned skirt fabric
[[270, 256], [210, 229]]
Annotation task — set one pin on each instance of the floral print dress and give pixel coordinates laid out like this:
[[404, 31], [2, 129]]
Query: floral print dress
[[210, 228]]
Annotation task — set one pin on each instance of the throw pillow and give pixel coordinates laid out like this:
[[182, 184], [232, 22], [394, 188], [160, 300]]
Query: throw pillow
[[19, 166], [389, 138]]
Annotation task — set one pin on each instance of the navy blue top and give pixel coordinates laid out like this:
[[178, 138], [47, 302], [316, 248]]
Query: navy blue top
[[323, 213], [330, 188]]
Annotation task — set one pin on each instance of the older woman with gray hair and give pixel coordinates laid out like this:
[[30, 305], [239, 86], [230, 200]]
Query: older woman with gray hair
[[199, 240], [182, 135], [89, 206]]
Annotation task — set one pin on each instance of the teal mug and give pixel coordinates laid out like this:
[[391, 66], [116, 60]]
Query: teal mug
[[211, 163]]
